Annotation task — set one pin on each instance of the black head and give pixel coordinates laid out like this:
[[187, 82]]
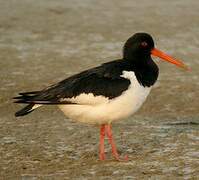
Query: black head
[[138, 50], [138, 46]]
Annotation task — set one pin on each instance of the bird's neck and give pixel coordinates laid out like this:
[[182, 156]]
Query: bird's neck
[[146, 71]]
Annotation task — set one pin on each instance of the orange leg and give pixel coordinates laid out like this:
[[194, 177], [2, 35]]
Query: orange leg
[[112, 143], [102, 135]]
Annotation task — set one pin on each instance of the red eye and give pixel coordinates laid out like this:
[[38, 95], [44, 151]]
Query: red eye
[[144, 44]]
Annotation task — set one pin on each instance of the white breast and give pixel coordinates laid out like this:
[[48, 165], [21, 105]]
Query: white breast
[[101, 110]]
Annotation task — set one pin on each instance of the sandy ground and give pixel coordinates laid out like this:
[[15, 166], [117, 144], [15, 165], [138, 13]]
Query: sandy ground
[[42, 42]]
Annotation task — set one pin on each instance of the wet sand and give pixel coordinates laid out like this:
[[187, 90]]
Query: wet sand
[[42, 42]]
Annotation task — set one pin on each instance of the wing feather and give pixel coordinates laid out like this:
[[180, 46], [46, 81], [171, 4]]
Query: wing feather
[[104, 80]]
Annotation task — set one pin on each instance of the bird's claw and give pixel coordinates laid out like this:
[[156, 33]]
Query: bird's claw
[[121, 159]]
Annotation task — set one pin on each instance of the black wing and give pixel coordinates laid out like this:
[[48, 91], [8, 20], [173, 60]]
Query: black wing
[[104, 80]]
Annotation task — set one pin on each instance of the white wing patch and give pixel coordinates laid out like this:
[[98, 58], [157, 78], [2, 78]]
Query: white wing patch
[[87, 99], [36, 106]]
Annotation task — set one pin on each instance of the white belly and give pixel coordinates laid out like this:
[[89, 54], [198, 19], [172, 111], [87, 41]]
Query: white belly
[[101, 110]]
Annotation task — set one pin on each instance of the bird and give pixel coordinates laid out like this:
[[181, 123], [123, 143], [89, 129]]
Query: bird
[[107, 93]]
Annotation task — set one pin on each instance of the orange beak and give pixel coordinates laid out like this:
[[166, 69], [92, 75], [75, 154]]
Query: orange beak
[[168, 58]]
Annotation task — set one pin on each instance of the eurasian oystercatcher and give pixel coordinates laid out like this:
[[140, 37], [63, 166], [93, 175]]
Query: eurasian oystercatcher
[[107, 93]]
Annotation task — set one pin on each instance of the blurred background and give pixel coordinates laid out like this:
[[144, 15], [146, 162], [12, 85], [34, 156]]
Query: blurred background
[[42, 42]]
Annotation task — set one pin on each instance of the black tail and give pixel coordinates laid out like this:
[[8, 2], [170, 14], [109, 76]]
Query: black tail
[[26, 110], [24, 98]]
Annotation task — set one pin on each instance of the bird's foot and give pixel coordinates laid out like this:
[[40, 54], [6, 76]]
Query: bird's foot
[[116, 156], [119, 158]]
